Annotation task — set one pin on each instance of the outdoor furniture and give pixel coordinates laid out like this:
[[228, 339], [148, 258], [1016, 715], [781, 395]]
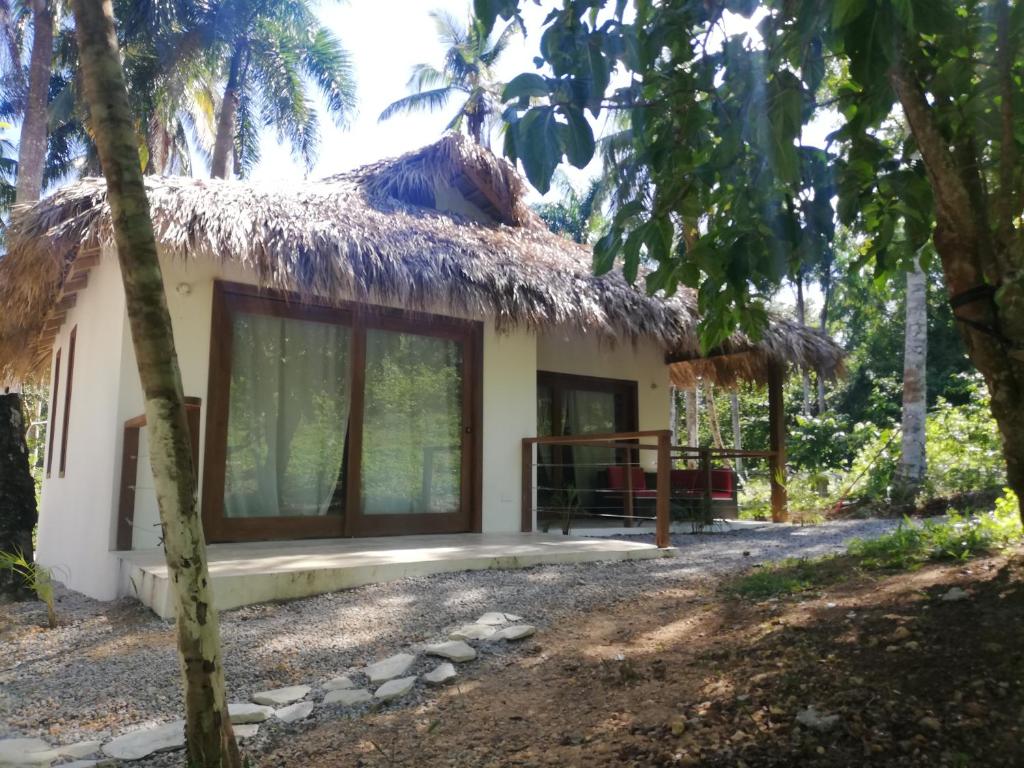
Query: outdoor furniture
[[688, 493]]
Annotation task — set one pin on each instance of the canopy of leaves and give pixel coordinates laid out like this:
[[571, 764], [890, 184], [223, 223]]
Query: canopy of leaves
[[718, 123]]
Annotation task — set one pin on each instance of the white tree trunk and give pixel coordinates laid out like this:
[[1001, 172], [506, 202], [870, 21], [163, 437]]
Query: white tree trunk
[[737, 441], [801, 316], [692, 424], [912, 457]]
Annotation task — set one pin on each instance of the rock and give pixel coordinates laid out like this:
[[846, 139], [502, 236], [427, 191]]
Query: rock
[[246, 730], [244, 712], [441, 674], [901, 633], [931, 723], [955, 594], [338, 683], [25, 751], [347, 697], [80, 749], [300, 710], [395, 689], [473, 632], [453, 650], [281, 696], [815, 720], [139, 744], [497, 619], [88, 764], [515, 632], [391, 667]]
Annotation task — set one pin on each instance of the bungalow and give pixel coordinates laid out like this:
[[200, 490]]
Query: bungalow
[[362, 355]]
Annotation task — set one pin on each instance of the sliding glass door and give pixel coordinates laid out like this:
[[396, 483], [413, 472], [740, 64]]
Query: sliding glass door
[[331, 422]]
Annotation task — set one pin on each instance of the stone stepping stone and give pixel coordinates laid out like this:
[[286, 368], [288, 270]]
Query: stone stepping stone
[[495, 619], [86, 764], [338, 683], [441, 674], [80, 749], [243, 713], [140, 744], [515, 632], [281, 696], [347, 697], [453, 650], [246, 730], [395, 689], [473, 632], [26, 751], [389, 668], [295, 712]]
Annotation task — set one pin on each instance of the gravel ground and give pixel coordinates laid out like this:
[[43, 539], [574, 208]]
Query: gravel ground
[[112, 667]]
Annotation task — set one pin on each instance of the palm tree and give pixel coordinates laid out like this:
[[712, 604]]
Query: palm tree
[[468, 69], [209, 736], [577, 214], [269, 50], [913, 458]]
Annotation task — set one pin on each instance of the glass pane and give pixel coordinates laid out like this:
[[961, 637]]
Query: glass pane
[[287, 418], [412, 424], [585, 411]]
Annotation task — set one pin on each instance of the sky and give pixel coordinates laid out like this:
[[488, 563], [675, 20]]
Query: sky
[[385, 38]]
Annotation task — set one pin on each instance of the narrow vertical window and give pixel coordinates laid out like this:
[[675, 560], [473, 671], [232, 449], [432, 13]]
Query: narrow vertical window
[[52, 427], [67, 401]]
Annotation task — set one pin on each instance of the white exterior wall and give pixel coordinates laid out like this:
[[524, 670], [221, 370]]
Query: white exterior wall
[[77, 529], [76, 520], [642, 362]]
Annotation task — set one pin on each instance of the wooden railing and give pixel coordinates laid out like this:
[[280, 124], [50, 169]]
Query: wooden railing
[[628, 447]]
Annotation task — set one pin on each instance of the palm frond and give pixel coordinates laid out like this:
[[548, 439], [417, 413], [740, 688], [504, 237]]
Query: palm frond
[[430, 101], [425, 76], [330, 66], [450, 30]]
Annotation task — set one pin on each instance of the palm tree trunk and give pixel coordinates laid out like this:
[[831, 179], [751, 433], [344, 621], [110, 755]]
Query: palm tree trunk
[[801, 316], [737, 433], [913, 458], [32, 144], [826, 299], [225, 140], [692, 424], [210, 739]]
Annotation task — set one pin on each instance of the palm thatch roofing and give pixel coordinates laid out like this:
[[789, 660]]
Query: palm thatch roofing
[[379, 234]]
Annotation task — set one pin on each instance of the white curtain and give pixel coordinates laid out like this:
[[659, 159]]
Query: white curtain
[[288, 417]]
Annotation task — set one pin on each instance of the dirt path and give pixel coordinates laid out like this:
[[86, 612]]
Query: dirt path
[[694, 677]]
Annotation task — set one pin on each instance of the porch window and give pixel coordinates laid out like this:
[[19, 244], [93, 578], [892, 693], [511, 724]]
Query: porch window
[[578, 405], [338, 421], [288, 417]]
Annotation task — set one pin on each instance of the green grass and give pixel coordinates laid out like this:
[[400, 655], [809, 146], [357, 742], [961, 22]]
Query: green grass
[[911, 545]]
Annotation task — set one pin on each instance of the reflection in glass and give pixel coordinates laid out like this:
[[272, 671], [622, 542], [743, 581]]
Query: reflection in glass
[[412, 424], [288, 417]]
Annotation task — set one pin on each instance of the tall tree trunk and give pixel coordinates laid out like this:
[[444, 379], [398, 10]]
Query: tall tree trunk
[[210, 738], [801, 316], [737, 434], [911, 469], [18, 511], [692, 424], [32, 144], [823, 326], [17, 491], [991, 319], [713, 426], [673, 413], [225, 139]]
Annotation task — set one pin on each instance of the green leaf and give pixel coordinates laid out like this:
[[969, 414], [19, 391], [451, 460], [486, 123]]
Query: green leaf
[[525, 85], [845, 11], [578, 140], [605, 251], [538, 146]]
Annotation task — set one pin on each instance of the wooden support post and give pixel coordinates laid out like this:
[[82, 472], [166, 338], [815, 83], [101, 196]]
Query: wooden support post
[[526, 520], [777, 444], [662, 537], [627, 501]]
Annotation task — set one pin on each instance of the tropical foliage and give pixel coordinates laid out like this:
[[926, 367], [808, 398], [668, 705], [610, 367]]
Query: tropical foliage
[[467, 74]]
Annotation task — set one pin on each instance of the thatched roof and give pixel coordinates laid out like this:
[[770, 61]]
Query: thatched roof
[[374, 234]]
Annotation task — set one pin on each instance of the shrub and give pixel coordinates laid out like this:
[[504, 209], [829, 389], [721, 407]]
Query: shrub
[[37, 577]]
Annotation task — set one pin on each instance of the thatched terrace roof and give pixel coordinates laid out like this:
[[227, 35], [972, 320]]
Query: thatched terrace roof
[[374, 234]]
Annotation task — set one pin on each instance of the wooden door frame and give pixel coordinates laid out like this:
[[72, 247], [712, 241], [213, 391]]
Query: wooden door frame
[[229, 297]]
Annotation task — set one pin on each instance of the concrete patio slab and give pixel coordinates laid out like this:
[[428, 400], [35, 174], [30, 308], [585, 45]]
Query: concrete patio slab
[[257, 572]]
